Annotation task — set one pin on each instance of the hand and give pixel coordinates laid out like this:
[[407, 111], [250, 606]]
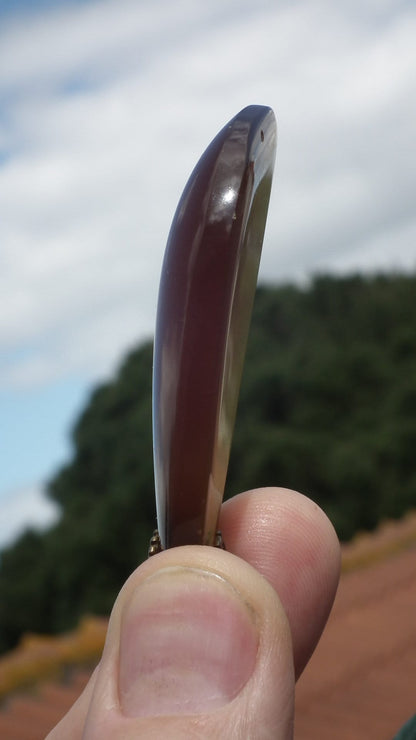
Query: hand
[[206, 643]]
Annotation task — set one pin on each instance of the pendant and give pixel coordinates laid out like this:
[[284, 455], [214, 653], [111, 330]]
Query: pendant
[[206, 295]]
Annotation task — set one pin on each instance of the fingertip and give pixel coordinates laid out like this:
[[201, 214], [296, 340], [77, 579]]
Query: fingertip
[[289, 539], [195, 617]]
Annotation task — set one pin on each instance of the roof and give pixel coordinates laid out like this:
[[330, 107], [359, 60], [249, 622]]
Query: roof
[[359, 684], [361, 680], [43, 676], [31, 715]]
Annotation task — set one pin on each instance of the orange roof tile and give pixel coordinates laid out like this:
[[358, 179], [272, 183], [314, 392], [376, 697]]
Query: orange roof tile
[[30, 716], [361, 680]]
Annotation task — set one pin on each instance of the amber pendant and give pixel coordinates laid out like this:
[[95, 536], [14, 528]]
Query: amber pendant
[[206, 295]]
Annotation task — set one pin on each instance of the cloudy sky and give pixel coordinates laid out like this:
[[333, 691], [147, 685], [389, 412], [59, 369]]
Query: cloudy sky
[[105, 106]]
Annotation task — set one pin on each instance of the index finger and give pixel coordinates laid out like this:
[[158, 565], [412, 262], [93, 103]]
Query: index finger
[[291, 542]]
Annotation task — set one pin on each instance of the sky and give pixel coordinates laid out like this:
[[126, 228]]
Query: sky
[[105, 107]]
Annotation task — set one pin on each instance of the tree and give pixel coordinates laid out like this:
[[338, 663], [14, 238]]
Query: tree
[[327, 406]]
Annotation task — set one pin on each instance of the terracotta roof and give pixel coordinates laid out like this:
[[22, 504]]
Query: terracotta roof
[[32, 714], [42, 677], [360, 683], [361, 680]]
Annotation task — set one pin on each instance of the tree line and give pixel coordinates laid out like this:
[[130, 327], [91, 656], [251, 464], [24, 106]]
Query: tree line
[[327, 406]]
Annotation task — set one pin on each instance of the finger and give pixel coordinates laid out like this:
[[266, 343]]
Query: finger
[[198, 645], [289, 540]]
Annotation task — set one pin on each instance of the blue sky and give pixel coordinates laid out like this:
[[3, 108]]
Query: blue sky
[[105, 107]]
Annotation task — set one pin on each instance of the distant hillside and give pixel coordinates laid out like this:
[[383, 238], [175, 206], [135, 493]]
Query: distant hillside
[[327, 406]]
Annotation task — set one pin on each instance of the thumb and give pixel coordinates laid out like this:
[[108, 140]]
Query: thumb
[[198, 645]]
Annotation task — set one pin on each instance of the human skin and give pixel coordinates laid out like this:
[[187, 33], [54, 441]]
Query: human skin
[[206, 643]]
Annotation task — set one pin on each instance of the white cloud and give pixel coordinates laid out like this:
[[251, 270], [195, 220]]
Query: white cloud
[[105, 108], [23, 508], [108, 107]]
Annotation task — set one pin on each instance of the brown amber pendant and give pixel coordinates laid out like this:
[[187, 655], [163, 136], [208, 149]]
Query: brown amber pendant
[[206, 295]]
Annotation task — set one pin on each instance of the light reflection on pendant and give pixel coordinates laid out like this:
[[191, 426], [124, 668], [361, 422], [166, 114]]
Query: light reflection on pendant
[[206, 295]]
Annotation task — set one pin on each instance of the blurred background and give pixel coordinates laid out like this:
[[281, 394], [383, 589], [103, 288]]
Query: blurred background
[[105, 107]]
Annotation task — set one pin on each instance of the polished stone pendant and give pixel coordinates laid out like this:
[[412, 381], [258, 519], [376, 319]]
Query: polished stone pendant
[[206, 295]]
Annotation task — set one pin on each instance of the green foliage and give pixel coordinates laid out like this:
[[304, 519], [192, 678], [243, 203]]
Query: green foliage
[[47, 582], [25, 592], [328, 401], [327, 406]]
